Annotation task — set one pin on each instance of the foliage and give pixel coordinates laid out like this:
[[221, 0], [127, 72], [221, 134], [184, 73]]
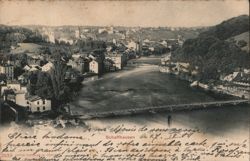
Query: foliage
[[18, 71], [12, 35], [44, 86], [60, 89], [212, 54], [229, 28]]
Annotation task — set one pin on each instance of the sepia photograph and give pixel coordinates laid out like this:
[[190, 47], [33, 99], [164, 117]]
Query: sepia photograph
[[124, 80]]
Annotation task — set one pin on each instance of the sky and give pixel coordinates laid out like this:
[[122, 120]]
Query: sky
[[173, 13]]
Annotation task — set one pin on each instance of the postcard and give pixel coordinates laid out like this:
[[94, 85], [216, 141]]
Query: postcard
[[124, 80]]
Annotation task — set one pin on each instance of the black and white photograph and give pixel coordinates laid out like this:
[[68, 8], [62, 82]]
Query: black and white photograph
[[124, 80]]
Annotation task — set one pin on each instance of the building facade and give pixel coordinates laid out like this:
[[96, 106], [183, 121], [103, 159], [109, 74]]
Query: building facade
[[95, 66], [8, 70], [37, 104]]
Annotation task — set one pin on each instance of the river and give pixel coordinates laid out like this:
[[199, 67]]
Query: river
[[141, 84]]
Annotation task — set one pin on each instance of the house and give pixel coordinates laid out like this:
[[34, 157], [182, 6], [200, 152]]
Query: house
[[11, 85], [31, 68], [95, 66], [12, 90], [108, 65], [76, 56], [18, 94], [71, 74], [132, 45], [183, 67], [80, 64], [164, 43], [165, 60], [231, 77], [8, 70], [20, 98], [37, 104], [118, 59], [47, 67]]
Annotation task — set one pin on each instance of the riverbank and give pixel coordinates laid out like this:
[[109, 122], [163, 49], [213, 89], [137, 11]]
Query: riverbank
[[218, 87]]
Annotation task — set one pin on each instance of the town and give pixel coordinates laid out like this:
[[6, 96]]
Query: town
[[43, 69], [37, 78]]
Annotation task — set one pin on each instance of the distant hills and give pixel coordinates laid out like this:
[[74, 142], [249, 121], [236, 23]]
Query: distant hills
[[229, 28], [217, 51]]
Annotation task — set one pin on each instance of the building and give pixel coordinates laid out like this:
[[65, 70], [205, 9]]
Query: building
[[118, 59], [31, 68], [79, 64], [131, 45], [20, 98], [166, 60], [37, 104], [95, 66], [183, 67], [108, 65], [11, 85], [47, 67], [8, 70]]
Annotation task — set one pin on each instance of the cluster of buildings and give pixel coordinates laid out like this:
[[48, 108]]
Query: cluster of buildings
[[98, 63], [236, 83], [131, 37], [15, 78], [17, 93], [177, 68], [95, 51]]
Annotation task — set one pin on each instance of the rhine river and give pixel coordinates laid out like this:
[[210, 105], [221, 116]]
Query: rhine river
[[141, 84]]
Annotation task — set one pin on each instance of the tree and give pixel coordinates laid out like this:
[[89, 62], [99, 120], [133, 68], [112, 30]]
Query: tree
[[18, 71], [32, 83], [57, 78], [44, 86]]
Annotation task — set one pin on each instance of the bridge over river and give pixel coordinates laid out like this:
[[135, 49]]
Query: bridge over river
[[168, 108]]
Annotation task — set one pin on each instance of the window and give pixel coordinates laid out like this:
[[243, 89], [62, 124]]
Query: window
[[27, 102], [38, 102], [38, 108], [43, 107], [43, 101]]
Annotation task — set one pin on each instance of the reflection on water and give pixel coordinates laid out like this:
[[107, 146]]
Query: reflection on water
[[144, 86]]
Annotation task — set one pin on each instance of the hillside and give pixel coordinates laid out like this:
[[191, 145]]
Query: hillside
[[229, 28], [241, 40], [213, 53]]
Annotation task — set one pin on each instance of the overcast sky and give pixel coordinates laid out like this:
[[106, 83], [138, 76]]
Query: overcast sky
[[122, 13]]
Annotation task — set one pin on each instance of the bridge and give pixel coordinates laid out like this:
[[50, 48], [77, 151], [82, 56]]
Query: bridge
[[169, 108]]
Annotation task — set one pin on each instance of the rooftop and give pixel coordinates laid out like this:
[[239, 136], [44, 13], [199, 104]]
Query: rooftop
[[33, 98]]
